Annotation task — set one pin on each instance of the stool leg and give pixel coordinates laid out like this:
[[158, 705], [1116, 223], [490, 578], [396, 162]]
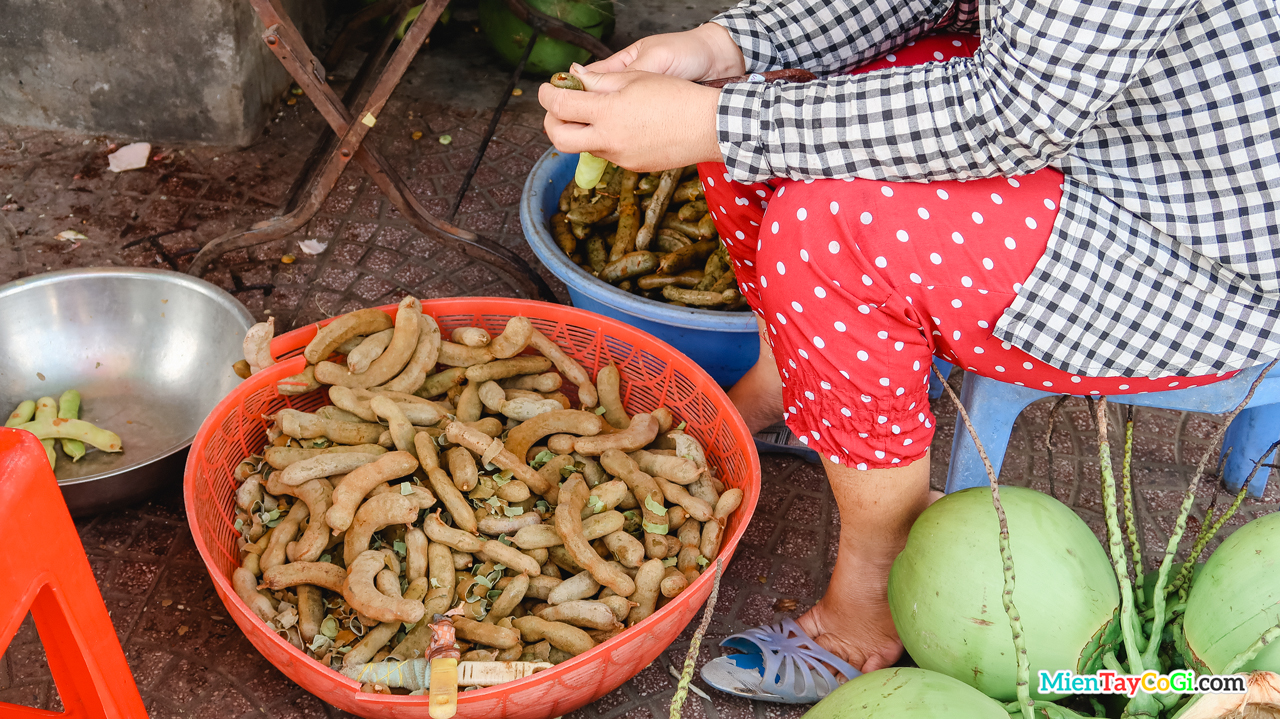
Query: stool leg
[[992, 406], [1252, 432]]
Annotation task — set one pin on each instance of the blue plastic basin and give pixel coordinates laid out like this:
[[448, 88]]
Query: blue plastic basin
[[725, 344]]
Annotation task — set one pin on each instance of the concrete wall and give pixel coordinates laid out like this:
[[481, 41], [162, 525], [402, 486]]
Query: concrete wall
[[167, 71]]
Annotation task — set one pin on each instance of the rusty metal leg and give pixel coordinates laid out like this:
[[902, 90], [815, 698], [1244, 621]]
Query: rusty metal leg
[[558, 29], [285, 41]]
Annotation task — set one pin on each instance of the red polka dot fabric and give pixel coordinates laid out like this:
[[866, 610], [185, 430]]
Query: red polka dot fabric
[[861, 283]]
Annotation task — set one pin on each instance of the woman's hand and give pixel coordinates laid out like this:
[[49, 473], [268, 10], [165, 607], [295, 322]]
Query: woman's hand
[[639, 120], [704, 53]]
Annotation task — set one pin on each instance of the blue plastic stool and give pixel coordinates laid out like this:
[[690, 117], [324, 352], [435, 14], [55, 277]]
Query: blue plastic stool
[[993, 406]]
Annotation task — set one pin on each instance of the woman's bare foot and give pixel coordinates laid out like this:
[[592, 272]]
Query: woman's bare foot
[[852, 620]]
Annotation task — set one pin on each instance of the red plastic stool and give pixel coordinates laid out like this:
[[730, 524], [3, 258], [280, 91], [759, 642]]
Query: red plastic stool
[[43, 569]]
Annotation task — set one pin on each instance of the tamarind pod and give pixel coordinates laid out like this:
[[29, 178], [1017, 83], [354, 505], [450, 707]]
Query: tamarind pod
[[726, 281], [425, 355], [568, 367], [301, 383], [673, 582], [689, 229], [648, 585], [676, 494], [336, 414], [462, 468], [363, 596], [457, 539], [630, 265], [440, 570], [490, 635], [610, 494], [322, 465], [717, 265], [69, 408], [700, 298], [47, 411], [563, 233], [625, 548], [561, 558], [440, 382], [452, 499], [713, 531], [311, 611], [394, 358], [565, 196], [427, 451], [376, 638], [319, 574], [511, 596], [690, 535], [284, 533], [565, 81], [689, 191], [638, 434], [494, 525], [416, 547], [648, 184], [561, 444], [302, 425], [657, 207], [492, 395], [499, 553], [522, 409], [670, 241], [675, 469], [593, 212], [591, 471], [609, 387], [568, 522], [368, 350], [480, 443], [688, 279], [514, 338], [352, 324], [565, 637], [504, 368], [456, 355], [676, 517], [257, 345], [673, 544], [562, 421], [580, 613], [470, 336], [686, 257], [360, 481], [628, 217], [23, 413], [373, 515], [707, 227], [246, 586], [539, 587], [692, 211], [317, 495]]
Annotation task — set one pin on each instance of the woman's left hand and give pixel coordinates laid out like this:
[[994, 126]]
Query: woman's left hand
[[639, 120]]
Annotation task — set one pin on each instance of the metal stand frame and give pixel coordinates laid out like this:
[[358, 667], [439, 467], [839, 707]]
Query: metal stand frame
[[333, 152]]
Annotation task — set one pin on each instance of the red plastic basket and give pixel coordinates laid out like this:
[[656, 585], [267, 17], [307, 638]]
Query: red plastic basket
[[654, 374]]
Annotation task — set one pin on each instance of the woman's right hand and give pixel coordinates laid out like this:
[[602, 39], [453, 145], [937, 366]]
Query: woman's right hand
[[706, 52]]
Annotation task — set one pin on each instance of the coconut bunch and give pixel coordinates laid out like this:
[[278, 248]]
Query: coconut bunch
[[981, 632]]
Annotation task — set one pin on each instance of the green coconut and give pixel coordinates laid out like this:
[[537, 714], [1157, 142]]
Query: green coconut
[[945, 590], [509, 36], [906, 693], [1235, 600]]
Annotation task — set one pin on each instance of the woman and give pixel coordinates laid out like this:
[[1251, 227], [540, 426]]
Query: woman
[[1082, 200]]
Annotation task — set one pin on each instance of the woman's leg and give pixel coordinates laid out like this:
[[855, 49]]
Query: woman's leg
[[758, 395], [877, 509]]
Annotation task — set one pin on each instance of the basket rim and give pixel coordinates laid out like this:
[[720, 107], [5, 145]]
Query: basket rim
[[468, 305]]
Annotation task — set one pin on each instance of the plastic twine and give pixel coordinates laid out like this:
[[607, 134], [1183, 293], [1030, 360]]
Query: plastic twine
[[691, 659]]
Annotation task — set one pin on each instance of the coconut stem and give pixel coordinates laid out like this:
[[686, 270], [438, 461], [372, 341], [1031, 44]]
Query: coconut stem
[[1244, 657], [1115, 541], [1179, 527], [1006, 557], [1126, 483], [1209, 531]]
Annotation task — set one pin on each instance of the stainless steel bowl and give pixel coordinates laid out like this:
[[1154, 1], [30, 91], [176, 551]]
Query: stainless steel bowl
[[150, 352]]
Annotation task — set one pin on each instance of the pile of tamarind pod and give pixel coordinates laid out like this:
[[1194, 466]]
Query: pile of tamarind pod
[[473, 488], [651, 235]]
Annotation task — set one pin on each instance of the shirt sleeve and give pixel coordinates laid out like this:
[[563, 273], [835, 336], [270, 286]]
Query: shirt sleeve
[[1042, 76], [825, 36]]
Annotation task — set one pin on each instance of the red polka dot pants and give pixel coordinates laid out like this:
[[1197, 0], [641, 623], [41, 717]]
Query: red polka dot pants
[[861, 283]]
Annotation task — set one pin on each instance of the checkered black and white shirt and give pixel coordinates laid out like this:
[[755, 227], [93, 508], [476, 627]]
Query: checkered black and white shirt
[[1164, 116]]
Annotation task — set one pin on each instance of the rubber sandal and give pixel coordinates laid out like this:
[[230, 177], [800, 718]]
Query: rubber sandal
[[778, 439], [780, 664]]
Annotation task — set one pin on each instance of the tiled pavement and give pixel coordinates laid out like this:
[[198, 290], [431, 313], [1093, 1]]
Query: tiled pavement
[[187, 656]]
